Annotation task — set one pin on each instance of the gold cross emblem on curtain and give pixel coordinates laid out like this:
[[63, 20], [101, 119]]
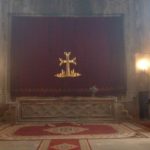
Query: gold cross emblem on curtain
[[68, 72]]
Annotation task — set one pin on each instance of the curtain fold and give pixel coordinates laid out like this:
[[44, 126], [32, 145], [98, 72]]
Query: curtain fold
[[38, 43]]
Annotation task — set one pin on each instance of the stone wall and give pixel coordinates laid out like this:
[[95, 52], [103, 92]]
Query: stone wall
[[145, 21], [135, 26], [3, 52]]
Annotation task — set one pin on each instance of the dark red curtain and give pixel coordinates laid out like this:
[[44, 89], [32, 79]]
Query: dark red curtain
[[38, 42]]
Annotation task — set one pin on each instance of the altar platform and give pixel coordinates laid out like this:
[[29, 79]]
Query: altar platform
[[66, 109]]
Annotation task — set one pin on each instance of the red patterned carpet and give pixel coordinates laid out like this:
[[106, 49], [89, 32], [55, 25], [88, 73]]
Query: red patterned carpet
[[70, 136], [65, 131], [65, 144]]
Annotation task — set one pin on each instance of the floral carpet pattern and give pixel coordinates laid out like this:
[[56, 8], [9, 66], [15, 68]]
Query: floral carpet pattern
[[65, 144], [73, 136], [65, 131]]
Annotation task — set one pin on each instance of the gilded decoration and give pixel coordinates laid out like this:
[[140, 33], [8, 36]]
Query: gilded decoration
[[68, 72]]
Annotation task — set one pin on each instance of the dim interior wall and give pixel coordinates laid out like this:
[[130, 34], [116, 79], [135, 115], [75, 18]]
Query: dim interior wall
[[133, 28]]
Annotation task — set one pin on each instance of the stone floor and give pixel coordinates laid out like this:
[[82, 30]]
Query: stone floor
[[19, 145], [96, 144], [141, 141], [120, 144]]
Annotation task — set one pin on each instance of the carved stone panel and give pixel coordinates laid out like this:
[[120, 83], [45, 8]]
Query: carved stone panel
[[66, 109]]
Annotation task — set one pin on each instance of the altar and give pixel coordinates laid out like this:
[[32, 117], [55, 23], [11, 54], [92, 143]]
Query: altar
[[77, 79], [66, 109]]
